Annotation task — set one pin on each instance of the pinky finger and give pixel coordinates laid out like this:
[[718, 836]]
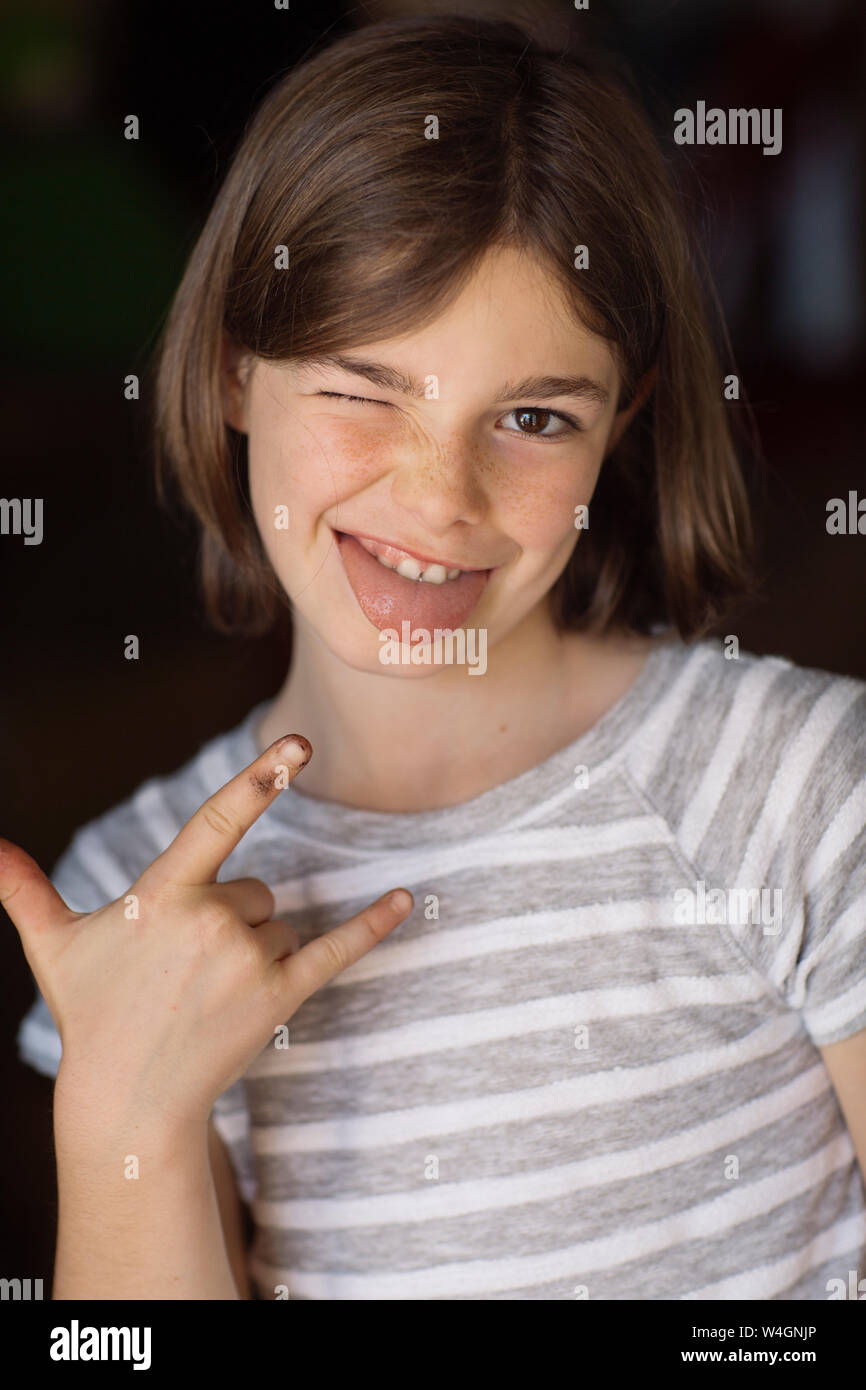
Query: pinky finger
[[329, 954]]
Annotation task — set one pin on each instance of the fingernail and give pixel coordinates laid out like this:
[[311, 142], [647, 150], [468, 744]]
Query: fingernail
[[297, 748], [401, 900]]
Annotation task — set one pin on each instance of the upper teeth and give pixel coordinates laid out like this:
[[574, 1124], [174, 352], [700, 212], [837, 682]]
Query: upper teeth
[[413, 569]]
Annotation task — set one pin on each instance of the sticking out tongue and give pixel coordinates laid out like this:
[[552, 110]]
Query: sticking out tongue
[[387, 599]]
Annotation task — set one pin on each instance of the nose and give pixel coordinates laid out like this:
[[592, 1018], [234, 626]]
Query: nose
[[441, 484]]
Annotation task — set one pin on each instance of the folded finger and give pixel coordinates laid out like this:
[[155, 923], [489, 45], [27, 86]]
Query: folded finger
[[250, 898]]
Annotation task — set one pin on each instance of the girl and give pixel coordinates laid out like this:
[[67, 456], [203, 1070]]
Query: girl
[[438, 376]]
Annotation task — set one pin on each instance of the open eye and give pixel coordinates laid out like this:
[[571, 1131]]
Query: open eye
[[539, 420]]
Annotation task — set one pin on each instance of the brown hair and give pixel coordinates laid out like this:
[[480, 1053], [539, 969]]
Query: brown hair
[[384, 226]]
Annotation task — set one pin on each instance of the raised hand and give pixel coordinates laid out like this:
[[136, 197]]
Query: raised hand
[[163, 997]]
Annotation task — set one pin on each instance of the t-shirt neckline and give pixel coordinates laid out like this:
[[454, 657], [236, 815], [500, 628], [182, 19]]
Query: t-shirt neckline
[[354, 828]]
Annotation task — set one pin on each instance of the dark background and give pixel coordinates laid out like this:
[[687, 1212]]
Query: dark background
[[96, 230]]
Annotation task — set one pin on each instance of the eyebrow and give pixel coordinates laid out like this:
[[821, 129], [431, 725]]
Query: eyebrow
[[539, 387]]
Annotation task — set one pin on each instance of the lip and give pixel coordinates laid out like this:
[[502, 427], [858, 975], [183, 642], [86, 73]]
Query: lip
[[388, 600], [416, 554]]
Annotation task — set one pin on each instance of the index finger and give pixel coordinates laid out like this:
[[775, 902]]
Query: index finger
[[196, 853]]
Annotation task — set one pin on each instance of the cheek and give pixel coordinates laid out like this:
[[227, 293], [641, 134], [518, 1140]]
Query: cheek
[[537, 498], [310, 466], [330, 459], [356, 454]]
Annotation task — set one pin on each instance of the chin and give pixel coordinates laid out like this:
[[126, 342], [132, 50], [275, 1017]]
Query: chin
[[364, 652]]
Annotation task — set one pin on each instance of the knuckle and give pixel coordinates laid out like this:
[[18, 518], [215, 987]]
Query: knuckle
[[12, 894], [215, 917], [252, 883], [216, 819], [367, 921], [153, 889], [334, 951], [248, 954], [259, 890]]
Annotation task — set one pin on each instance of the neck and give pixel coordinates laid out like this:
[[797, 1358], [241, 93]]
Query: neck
[[391, 743]]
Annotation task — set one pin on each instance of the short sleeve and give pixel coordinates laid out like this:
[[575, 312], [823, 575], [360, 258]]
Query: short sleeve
[[806, 851]]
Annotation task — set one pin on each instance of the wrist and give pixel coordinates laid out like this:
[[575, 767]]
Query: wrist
[[90, 1116]]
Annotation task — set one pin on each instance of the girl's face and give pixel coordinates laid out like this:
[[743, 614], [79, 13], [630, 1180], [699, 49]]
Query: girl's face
[[476, 440]]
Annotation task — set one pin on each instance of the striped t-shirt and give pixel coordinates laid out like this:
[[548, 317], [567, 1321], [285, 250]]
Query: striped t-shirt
[[586, 1065]]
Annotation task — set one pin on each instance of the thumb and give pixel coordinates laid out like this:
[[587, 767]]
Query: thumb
[[26, 894]]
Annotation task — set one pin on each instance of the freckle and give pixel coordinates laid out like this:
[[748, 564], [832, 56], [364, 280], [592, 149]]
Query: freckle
[[503, 728]]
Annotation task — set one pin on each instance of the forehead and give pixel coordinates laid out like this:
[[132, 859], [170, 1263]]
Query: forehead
[[513, 305], [511, 319]]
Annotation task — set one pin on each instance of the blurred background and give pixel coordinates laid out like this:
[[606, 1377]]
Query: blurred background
[[95, 232]]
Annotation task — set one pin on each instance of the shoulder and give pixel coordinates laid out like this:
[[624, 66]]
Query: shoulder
[[758, 767], [752, 740], [107, 853]]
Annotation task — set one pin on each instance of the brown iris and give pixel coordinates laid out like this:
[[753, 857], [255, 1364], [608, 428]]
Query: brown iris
[[534, 416]]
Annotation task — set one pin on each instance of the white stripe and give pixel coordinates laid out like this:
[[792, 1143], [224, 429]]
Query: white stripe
[[839, 835], [39, 1046], [794, 773], [845, 931], [220, 767], [233, 1125], [458, 1032], [847, 1237], [248, 1187], [838, 1013], [663, 723], [159, 825], [525, 931], [709, 1220], [444, 1201], [269, 831], [89, 848], [598, 775], [515, 1107], [425, 863], [214, 764], [736, 731]]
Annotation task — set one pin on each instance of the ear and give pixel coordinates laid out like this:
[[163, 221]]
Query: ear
[[235, 369], [623, 418]]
